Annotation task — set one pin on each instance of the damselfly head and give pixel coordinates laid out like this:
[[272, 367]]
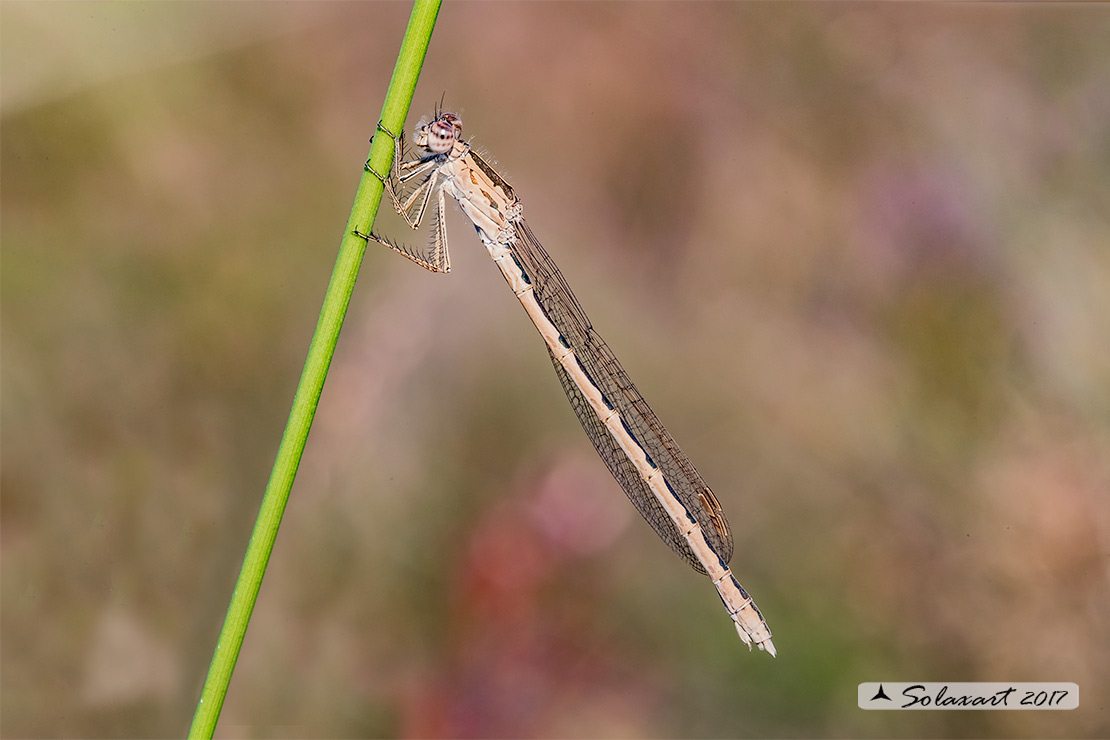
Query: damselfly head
[[441, 134]]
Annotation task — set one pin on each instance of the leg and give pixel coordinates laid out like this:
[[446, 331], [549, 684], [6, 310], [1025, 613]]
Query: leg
[[436, 258], [392, 183], [439, 263]]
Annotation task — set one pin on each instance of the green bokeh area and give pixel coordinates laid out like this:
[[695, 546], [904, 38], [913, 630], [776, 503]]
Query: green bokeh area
[[856, 256]]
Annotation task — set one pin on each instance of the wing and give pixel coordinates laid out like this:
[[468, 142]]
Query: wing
[[601, 365]]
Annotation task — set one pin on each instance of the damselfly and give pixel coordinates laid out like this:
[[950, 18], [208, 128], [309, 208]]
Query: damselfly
[[655, 474]]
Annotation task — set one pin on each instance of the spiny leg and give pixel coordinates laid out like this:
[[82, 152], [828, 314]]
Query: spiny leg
[[440, 255], [398, 155], [393, 182], [438, 260]]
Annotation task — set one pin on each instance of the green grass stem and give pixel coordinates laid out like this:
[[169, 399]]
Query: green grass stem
[[320, 352]]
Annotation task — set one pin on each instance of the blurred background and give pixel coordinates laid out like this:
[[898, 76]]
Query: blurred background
[[856, 256]]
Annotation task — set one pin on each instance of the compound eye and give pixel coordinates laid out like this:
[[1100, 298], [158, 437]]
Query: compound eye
[[441, 138]]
